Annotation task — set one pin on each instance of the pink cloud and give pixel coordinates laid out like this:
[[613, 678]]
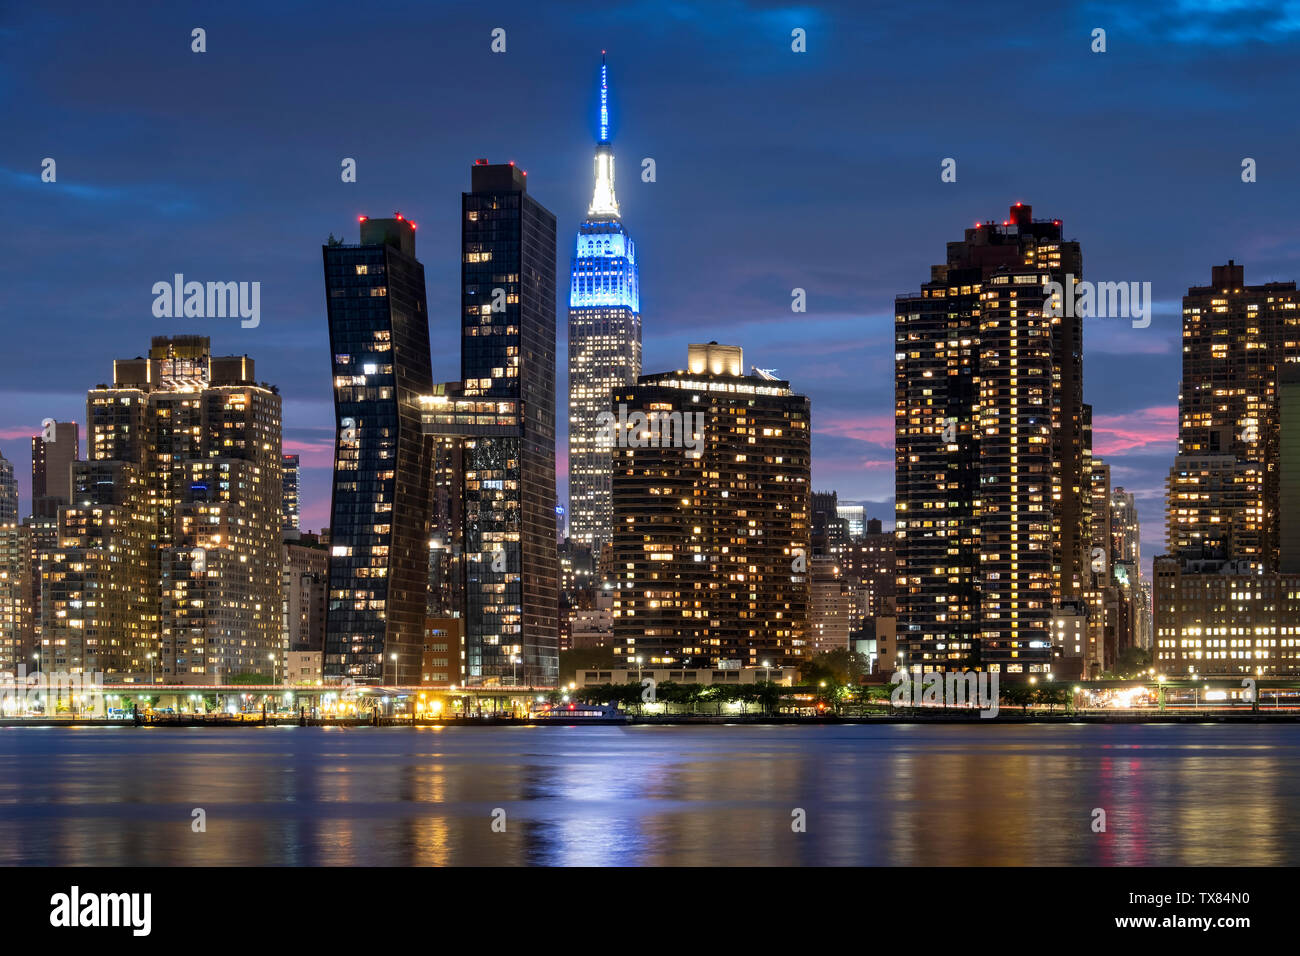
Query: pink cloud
[[878, 428], [19, 431], [312, 454], [1141, 429]]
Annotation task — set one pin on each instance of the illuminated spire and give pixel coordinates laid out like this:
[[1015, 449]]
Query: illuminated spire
[[603, 203], [604, 99]]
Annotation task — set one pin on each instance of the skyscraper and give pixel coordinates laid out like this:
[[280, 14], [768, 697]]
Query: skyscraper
[[711, 548], [8, 492], [100, 586], [1224, 485], [1224, 598], [16, 610], [508, 369], [53, 452], [167, 559], [289, 465], [604, 339], [379, 509], [989, 450]]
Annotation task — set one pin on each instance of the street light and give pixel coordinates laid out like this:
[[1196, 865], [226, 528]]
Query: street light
[[271, 657], [150, 656], [393, 658]]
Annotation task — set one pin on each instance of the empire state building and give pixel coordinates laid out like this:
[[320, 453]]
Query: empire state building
[[604, 340]]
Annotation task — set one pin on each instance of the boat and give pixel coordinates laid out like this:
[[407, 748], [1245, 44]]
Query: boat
[[574, 712]]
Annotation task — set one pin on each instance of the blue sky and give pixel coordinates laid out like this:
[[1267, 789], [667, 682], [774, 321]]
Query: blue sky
[[775, 170]]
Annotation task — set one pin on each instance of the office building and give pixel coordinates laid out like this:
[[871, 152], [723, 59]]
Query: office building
[[604, 339], [53, 452], [289, 468], [379, 510], [1216, 617], [508, 374], [8, 492]]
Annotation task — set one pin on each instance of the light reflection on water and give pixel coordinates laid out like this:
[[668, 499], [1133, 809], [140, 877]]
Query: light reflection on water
[[605, 796]]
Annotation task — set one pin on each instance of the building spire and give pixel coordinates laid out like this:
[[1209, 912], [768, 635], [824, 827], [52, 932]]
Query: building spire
[[603, 203], [604, 99]]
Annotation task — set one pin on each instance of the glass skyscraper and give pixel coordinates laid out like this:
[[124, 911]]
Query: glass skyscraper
[[508, 391], [378, 565], [604, 340]]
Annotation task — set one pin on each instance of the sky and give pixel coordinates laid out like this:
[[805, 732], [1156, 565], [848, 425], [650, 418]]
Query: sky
[[775, 170]]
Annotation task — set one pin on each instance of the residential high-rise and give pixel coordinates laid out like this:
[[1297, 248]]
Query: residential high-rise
[[1224, 597], [16, 611], [100, 587], [306, 583], [508, 371], [8, 492], [1224, 485], [712, 540], [989, 450], [828, 606], [189, 443], [604, 340], [289, 467], [1125, 529], [1289, 468], [379, 509], [53, 452]]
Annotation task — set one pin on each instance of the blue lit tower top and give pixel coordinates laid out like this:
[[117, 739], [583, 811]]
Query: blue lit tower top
[[604, 99], [604, 264]]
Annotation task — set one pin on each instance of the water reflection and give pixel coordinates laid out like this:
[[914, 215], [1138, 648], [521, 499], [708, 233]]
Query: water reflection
[[612, 796]]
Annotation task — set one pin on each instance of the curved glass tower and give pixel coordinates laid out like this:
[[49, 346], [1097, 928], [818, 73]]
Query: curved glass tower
[[604, 339]]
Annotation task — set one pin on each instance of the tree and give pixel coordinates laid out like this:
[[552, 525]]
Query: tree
[[1018, 694], [840, 666], [1132, 661], [768, 695]]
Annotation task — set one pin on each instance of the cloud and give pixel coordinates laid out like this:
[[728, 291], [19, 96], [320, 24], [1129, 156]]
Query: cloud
[[1149, 429]]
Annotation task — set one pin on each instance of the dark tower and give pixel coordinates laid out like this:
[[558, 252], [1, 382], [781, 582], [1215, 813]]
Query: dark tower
[[379, 345]]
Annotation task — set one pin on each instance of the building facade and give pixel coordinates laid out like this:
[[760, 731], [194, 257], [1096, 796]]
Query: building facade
[[711, 541], [379, 510], [604, 340], [1224, 485], [508, 340], [289, 468], [53, 452], [989, 450], [198, 441]]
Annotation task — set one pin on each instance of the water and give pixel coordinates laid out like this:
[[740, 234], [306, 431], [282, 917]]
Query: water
[[954, 794]]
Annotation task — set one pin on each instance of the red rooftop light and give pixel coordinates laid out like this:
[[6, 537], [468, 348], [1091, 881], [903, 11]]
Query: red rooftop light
[[361, 218]]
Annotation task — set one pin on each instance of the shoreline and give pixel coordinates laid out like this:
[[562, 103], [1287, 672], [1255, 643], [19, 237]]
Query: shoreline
[[672, 720]]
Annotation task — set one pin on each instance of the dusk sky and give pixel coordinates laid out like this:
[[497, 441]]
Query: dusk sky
[[775, 170]]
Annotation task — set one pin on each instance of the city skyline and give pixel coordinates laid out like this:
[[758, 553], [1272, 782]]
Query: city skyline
[[738, 289]]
